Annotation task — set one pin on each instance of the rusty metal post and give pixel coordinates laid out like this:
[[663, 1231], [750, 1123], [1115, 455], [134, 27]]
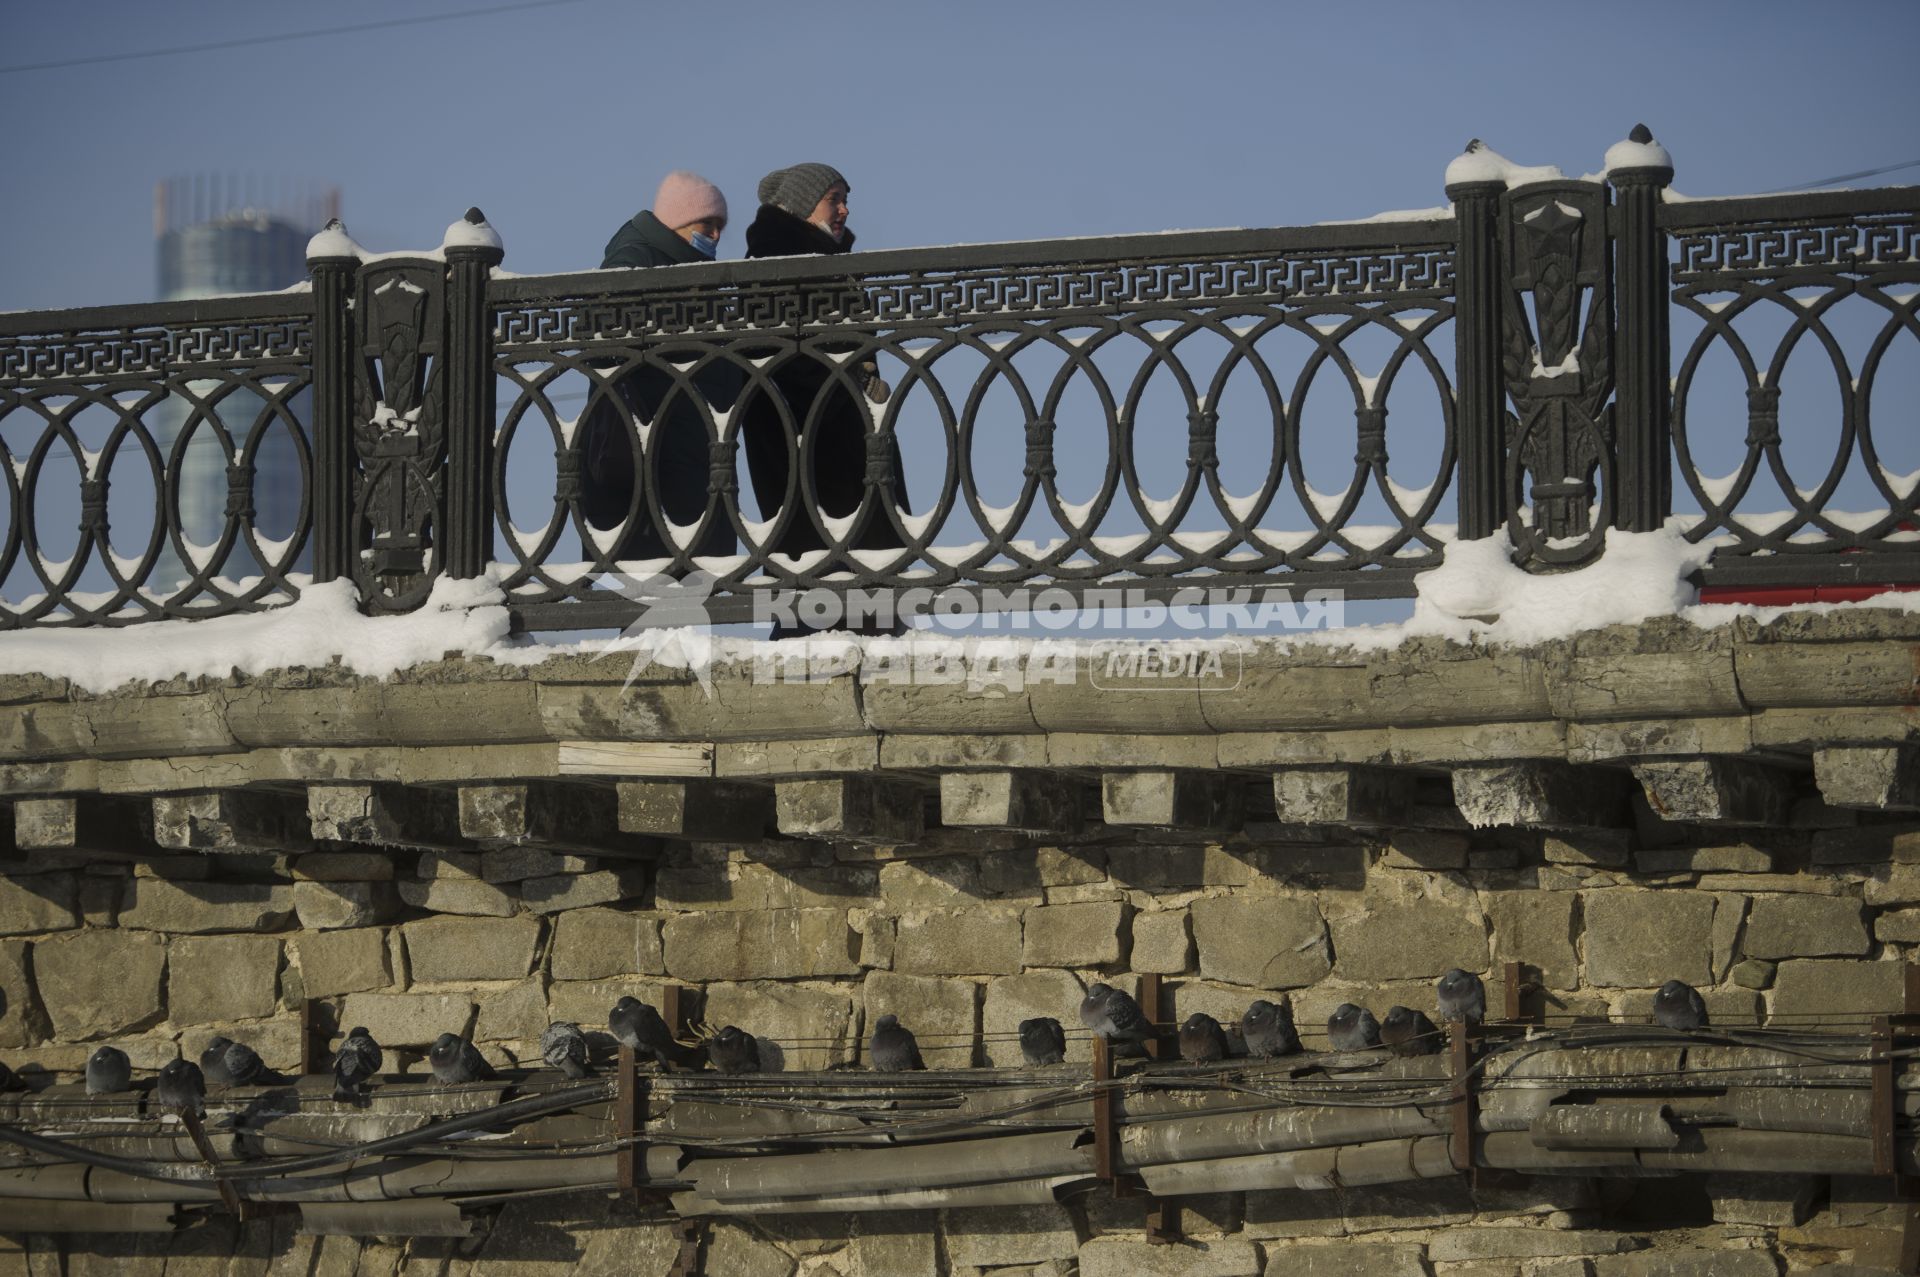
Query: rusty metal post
[[313, 1040], [1515, 1011], [1163, 1216], [1886, 1037], [1460, 1044], [1149, 997], [627, 1101]]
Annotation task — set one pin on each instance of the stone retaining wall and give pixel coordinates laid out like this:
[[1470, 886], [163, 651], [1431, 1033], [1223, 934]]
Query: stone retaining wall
[[1724, 806], [966, 934]]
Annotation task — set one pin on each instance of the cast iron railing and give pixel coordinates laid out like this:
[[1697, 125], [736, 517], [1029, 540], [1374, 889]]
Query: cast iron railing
[[1160, 411]]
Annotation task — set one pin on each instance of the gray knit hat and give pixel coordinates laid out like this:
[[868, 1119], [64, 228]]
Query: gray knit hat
[[799, 189]]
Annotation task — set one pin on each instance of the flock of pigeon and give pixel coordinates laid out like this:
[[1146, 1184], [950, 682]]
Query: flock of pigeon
[[1267, 1029]]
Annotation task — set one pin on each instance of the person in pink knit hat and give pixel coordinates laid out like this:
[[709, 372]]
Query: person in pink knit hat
[[683, 228], [687, 208]]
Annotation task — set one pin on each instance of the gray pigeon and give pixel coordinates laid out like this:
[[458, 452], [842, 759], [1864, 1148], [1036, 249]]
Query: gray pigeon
[[1407, 1032], [108, 1070], [1115, 1016], [892, 1048], [1462, 997], [734, 1051], [243, 1066], [182, 1087], [213, 1061], [1202, 1040], [1268, 1028], [1678, 1005], [563, 1046], [1352, 1028], [1042, 1040], [636, 1024], [454, 1059], [355, 1065]]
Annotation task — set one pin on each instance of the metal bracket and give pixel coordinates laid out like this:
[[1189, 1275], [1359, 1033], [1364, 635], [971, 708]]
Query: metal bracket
[[690, 1262], [1462, 1043], [229, 1195]]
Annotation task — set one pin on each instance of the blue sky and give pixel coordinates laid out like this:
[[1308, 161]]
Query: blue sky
[[955, 122]]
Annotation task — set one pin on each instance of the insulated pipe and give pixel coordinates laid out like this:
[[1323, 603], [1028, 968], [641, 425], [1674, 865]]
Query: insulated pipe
[[1016, 1192], [1196, 1139], [36, 1215], [1792, 1153], [940, 1165], [1815, 1112], [1605, 1126]]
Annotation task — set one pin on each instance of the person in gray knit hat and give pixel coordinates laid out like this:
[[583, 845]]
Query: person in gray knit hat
[[801, 189], [803, 210]]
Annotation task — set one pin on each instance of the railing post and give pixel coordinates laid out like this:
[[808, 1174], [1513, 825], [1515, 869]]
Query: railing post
[[1479, 399], [1643, 471], [332, 259], [472, 250]]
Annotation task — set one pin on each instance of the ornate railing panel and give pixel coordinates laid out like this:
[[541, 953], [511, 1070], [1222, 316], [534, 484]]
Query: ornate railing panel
[[1805, 441], [1320, 407], [1109, 376], [174, 437]]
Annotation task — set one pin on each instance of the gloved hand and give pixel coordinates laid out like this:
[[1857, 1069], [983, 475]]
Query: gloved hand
[[877, 390]]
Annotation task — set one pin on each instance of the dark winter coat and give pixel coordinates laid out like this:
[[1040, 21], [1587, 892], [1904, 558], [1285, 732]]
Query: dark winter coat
[[678, 440], [843, 424]]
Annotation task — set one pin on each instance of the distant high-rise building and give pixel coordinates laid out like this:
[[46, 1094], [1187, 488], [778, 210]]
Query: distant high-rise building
[[216, 236]]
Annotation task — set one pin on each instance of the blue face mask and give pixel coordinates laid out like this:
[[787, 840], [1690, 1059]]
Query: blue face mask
[[705, 245]]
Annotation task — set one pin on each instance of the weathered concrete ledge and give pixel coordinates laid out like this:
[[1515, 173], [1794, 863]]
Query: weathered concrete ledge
[[1709, 725]]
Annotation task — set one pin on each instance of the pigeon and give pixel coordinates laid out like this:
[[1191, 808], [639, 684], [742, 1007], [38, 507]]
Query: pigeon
[[1462, 997], [636, 1024], [1352, 1028], [1202, 1040], [243, 1066], [734, 1051], [182, 1086], [1114, 1015], [1042, 1040], [454, 1059], [213, 1061], [1679, 1005], [1268, 1028], [108, 1069], [1408, 1032], [892, 1048], [354, 1065], [563, 1046]]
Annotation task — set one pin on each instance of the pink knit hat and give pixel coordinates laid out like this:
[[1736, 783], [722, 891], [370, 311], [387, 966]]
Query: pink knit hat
[[686, 197]]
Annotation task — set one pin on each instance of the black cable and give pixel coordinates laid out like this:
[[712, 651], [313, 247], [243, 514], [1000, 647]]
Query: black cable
[[194, 1173], [247, 41], [1844, 177]]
